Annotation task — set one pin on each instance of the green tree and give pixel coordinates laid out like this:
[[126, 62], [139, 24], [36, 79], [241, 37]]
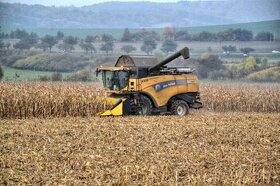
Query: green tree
[[143, 33], [59, 35], [226, 35], [264, 36], [228, 49], [27, 42], [107, 38], [208, 63], [251, 64], [48, 41], [242, 35], [89, 39], [182, 36], [204, 36], [128, 48], [246, 50], [87, 46], [168, 46], [127, 36], [32, 38], [19, 34], [23, 44], [248, 66], [1, 73], [69, 42], [149, 44], [3, 35], [107, 46], [232, 70]]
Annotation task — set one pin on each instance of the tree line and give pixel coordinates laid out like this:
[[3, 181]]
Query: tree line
[[68, 43], [64, 43], [149, 39], [169, 33]]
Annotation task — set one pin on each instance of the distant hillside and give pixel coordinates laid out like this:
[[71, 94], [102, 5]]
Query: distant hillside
[[269, 26], [140, 14], [270, 74]]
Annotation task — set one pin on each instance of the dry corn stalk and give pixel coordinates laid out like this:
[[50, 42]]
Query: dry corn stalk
[[246, 97], [23, 100]]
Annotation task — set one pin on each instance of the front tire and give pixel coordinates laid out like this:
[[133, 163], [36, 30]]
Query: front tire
[[179, 108], [145, 106]]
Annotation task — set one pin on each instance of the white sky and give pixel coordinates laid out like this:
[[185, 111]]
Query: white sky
[[74, 2]]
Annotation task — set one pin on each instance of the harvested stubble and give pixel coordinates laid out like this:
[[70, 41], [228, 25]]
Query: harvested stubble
[[23, 100], [219, 149]]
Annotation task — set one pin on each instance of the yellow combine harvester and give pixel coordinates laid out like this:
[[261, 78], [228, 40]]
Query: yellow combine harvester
[[150, 90]]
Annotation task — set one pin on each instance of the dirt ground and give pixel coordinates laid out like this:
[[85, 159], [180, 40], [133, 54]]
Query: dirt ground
[[200, 149]]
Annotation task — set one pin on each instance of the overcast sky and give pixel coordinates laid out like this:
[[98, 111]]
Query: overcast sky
[[73, 2]]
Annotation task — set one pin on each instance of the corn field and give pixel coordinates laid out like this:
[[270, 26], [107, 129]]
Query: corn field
[[243, 97], [233, 140], [24, 100]]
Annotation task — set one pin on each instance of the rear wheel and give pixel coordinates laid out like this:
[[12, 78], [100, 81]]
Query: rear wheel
[[144, 106], [180, 108]]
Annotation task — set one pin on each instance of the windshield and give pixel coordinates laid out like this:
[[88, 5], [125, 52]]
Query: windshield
[[115, 80]]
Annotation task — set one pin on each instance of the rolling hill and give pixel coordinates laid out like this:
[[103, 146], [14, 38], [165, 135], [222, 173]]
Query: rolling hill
[[140, 14], [269, 26]]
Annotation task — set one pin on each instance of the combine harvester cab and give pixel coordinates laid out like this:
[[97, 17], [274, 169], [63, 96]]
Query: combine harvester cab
[[115, 81]]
